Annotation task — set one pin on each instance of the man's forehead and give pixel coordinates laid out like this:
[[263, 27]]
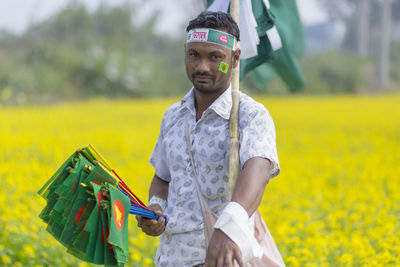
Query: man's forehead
[[207, 47]]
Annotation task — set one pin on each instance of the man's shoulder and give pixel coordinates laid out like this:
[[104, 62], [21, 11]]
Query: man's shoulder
[[250, 108], [174, 108], [172, 112]]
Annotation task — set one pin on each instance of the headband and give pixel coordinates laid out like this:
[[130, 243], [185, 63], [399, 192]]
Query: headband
[[212, 36]]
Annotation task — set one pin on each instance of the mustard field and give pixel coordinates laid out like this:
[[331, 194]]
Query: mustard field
[[336, 202]]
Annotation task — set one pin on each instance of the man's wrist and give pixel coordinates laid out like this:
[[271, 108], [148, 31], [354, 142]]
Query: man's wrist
[[234, 222], [158, 199]]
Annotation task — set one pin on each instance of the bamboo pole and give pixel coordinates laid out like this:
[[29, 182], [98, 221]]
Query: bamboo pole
[[233, 171]]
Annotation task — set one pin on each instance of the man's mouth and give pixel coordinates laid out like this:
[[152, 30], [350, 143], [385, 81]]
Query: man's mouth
[[202, 77]]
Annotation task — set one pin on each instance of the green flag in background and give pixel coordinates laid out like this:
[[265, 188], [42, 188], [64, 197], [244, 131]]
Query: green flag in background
[[272, 38]]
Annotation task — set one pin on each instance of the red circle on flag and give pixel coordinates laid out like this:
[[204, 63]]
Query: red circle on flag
[[223, 39], [224, 68], [119, 214]]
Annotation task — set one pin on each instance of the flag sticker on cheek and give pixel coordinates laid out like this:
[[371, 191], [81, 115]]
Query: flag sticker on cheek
[[223, 67]]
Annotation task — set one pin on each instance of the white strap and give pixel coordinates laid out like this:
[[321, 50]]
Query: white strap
[[203, 203]]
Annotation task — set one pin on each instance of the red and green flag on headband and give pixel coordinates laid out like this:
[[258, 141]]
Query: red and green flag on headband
[[88, 206], [272, 40]]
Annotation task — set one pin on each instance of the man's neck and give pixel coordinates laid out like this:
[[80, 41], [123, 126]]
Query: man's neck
[[203, 101]]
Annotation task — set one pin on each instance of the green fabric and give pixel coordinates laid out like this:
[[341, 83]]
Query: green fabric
[[265, 21], [269, 64], [81, 237], [285, 62], [48, 190], [109, 258], [118, 222], [264, 54], [92, 223], [78, 214], [99, 174], [98, 256], [72, 215], [59, 175]]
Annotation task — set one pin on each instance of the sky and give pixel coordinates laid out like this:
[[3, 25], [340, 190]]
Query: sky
[[16, 15]]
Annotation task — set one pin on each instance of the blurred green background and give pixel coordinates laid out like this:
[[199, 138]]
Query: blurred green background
[[79, 52]]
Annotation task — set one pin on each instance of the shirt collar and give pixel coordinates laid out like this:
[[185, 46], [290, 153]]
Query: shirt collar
[[222, 105], [188, 101]]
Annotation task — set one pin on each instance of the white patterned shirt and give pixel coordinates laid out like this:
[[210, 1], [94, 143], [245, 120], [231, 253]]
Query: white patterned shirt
[[183, 242]]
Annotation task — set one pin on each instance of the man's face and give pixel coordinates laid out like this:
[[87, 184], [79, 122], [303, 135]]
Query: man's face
[[202, 63]]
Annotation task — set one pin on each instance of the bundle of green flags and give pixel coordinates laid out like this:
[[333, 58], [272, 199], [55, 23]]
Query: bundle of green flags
[[87, 208]]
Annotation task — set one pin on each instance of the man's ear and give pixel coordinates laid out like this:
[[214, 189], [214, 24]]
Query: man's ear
[[236, 57]]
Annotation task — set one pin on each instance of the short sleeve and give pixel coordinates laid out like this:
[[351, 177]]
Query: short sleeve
[[257, 137], [158, 157]]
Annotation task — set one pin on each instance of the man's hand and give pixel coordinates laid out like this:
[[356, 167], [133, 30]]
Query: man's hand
[[152, 227], [222, 251]]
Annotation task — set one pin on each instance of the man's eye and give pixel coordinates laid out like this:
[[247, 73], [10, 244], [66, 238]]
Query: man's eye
[[214, 57]]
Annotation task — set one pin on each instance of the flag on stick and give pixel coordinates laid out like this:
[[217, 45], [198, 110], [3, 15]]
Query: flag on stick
[[272, 39]]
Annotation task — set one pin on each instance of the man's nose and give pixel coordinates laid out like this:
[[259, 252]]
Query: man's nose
[[203, 66]]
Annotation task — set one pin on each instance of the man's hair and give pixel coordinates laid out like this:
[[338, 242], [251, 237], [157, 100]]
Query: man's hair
[[217, 21]]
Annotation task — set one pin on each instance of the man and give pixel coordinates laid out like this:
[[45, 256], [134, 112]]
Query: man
[[211, 55]]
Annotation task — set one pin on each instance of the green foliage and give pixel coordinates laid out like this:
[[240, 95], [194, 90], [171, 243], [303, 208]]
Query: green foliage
[[78, 54], [326, 73], [395, 63], [81, 54], [334, 72]]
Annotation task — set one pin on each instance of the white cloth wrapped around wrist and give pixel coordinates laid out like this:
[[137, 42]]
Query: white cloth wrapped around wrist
[[156, 199], [234, 222]]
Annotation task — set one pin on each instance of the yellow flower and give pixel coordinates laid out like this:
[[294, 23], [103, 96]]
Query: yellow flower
[[29, 250], [5, 259], [335, 202], [346, 259], [83, 264], [136, 257], [148, 261]]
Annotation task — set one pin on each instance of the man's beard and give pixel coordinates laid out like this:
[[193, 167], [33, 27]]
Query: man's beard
[[205, 88]]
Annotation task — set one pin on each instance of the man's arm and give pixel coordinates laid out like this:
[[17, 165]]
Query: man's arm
[[251, 183], [248, 192], [152, 227], [158, 187]]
